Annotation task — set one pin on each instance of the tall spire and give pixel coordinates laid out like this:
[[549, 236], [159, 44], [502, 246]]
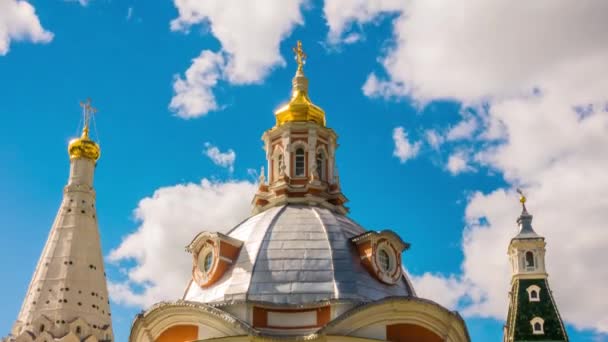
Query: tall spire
[[300, 107], [68, 293], [532, 314]]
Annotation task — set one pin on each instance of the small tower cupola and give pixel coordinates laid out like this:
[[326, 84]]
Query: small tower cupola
[[527, 248], [300, 150]]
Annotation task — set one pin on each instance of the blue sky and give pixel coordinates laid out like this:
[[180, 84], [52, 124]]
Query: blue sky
[[440, 116]]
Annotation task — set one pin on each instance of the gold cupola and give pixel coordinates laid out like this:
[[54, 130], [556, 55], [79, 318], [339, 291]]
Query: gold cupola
[[300, 108], [84, 147]]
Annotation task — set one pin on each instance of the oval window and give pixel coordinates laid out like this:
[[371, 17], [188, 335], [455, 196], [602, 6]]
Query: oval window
[[205, 261], [384, 260], [208, 262]]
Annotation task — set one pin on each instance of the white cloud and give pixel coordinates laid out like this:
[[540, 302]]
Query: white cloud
[[375, 87], [19, 22], [458, 162], [447, 291], [530, 66], [169, 221], [341, 15], [81, 2], [219, 158], [463, 130], [193, 94], [433, 138], [249, 33], [404, 149]]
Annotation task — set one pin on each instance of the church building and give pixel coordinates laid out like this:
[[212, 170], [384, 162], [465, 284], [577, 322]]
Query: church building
[[298, 269]]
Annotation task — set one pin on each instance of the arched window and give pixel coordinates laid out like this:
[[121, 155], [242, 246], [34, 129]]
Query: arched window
[[41, 327], [78, 330], [533, 293], [537, 325], [321, 165], [300, 170], [529, 260]]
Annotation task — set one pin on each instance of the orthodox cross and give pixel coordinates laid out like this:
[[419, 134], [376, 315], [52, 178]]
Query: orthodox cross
[[300, 55], [87, 112]]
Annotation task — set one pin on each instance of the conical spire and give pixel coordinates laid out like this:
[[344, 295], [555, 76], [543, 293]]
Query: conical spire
[[68, 293], [300, 107]]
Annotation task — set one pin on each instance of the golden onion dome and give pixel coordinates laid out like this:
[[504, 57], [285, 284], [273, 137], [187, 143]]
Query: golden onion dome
[[300, 107], [84, 147]]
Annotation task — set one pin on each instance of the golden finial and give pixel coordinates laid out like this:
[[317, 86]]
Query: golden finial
[[300, 55], [84, 147], [522, 197]]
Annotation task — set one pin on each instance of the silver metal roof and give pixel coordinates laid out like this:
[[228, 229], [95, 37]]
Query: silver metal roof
[[525, 226], [297, 255]]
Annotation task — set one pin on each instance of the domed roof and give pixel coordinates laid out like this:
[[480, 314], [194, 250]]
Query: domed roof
[[297, 255]]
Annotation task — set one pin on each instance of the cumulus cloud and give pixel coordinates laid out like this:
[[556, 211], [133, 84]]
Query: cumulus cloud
[[19, 22], [433, 138], [463, 130], [193, 93], [219, 158], [404, 149], [447, 291], [538, 69], [458, 163], [249, 33], [342, 16], [156, 265]]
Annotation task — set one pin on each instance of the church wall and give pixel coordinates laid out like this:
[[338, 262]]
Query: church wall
[[376, 331], [179, 333], [410, 332]]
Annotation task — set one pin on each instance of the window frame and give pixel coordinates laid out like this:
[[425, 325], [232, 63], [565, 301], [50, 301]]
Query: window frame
[[533, 289], [541, 322], [299, 158]]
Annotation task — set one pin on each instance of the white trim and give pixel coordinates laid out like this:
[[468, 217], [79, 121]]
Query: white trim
[[541, 321], [533, 288]]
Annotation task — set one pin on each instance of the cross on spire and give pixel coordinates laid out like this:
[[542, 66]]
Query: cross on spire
[[300, 55], [87, 112]]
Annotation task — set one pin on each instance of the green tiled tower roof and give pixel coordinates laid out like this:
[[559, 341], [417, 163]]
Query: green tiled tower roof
[[522, 311]]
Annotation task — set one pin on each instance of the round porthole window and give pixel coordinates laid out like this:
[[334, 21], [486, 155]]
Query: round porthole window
[[208, 262], [205, 261], [387, 266]]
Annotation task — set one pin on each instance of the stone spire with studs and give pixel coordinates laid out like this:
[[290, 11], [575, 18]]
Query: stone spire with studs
[[67, 299]]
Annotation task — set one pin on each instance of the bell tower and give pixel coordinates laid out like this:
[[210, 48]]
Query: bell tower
[[300, 151], [68, 297], [533, 313]]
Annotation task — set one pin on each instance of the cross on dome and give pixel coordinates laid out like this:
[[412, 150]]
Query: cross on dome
[[87, 112], [300, 55]]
